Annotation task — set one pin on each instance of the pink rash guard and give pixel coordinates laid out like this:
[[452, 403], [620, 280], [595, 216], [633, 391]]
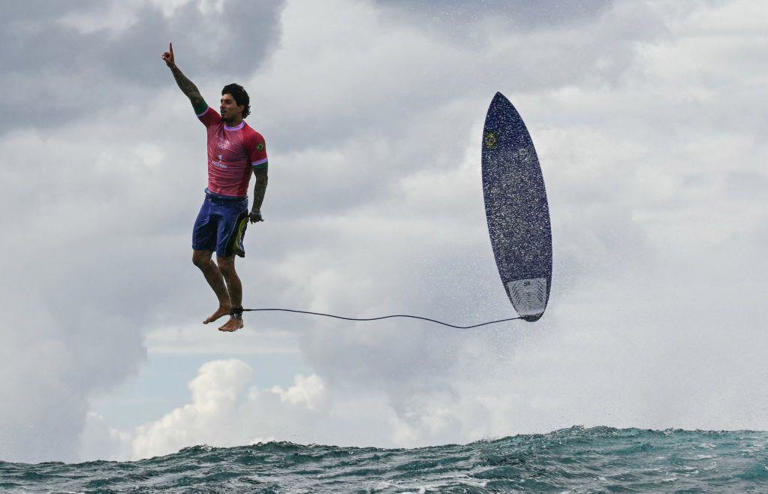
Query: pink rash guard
[[232, 153]]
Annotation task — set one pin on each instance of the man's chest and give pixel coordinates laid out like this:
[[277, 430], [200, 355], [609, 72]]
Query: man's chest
[[226, 146]]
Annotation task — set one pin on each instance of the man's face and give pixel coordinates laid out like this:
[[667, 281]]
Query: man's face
[[229, 108]]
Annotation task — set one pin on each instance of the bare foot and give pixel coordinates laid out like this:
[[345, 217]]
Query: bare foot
[[223, 310], [232, 325]]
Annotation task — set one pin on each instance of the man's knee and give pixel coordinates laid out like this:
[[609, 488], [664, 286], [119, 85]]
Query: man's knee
[[201, 258], [226, 265]]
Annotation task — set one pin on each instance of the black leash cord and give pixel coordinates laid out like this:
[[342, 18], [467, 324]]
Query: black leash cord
[[234, 311]]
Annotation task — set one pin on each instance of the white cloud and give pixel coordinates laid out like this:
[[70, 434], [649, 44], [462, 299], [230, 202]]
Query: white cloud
[[208, 419], [227, 410], [306, 391]]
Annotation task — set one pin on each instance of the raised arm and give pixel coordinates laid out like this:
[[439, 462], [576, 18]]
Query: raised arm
[[186, 86]]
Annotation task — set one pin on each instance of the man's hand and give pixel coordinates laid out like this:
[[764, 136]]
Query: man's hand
[[187, 87], [255, 216], [168, 56]]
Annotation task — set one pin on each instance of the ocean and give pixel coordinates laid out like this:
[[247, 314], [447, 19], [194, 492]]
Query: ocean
[[574, 460]]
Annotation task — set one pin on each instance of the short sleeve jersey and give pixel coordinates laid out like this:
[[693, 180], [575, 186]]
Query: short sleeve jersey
[[232, 153]]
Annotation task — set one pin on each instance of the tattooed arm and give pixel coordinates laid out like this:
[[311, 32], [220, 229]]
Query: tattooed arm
[[186, 86], [259, 189]]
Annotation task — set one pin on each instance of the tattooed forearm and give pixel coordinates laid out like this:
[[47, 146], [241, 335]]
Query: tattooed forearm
[[259, 189], [187, 86]]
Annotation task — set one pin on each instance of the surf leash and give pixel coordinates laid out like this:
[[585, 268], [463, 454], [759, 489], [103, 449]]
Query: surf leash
[[239, 311]]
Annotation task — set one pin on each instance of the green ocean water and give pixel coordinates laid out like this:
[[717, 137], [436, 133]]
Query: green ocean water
[[575, 460]]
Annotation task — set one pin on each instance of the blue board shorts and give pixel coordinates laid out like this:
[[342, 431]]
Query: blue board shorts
[[221, 225]]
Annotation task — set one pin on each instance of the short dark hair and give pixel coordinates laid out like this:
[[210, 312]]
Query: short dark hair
[[241, 97]]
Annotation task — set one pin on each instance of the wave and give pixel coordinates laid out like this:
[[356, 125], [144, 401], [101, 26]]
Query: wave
[[577, 459]]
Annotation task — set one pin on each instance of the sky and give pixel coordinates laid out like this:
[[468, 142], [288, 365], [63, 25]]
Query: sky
[[649, 119]]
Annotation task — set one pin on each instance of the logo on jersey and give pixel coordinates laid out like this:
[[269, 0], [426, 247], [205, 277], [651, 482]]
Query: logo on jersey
[[219, 164], [225, 144]]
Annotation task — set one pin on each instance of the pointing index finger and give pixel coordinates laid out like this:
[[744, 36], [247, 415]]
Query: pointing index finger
[[170, 46]]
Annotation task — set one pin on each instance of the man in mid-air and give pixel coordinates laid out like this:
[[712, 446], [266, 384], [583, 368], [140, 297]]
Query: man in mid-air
[[235, 151]]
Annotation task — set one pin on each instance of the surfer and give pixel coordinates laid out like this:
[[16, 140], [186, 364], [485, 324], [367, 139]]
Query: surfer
[[235, 151]]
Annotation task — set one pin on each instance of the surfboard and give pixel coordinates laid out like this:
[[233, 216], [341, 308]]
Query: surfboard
[[516, 209]]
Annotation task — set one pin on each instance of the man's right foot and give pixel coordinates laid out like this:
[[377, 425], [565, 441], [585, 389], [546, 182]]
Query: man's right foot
[[223, 310]]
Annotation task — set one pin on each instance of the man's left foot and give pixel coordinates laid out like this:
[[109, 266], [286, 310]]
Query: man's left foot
[[232, 325]]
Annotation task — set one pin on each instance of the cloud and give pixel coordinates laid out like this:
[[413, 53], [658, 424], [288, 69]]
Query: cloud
[[517, 14], [83, 67], [99, 440], [226, 410], [307, 391], [187, 340], [51, 365]]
